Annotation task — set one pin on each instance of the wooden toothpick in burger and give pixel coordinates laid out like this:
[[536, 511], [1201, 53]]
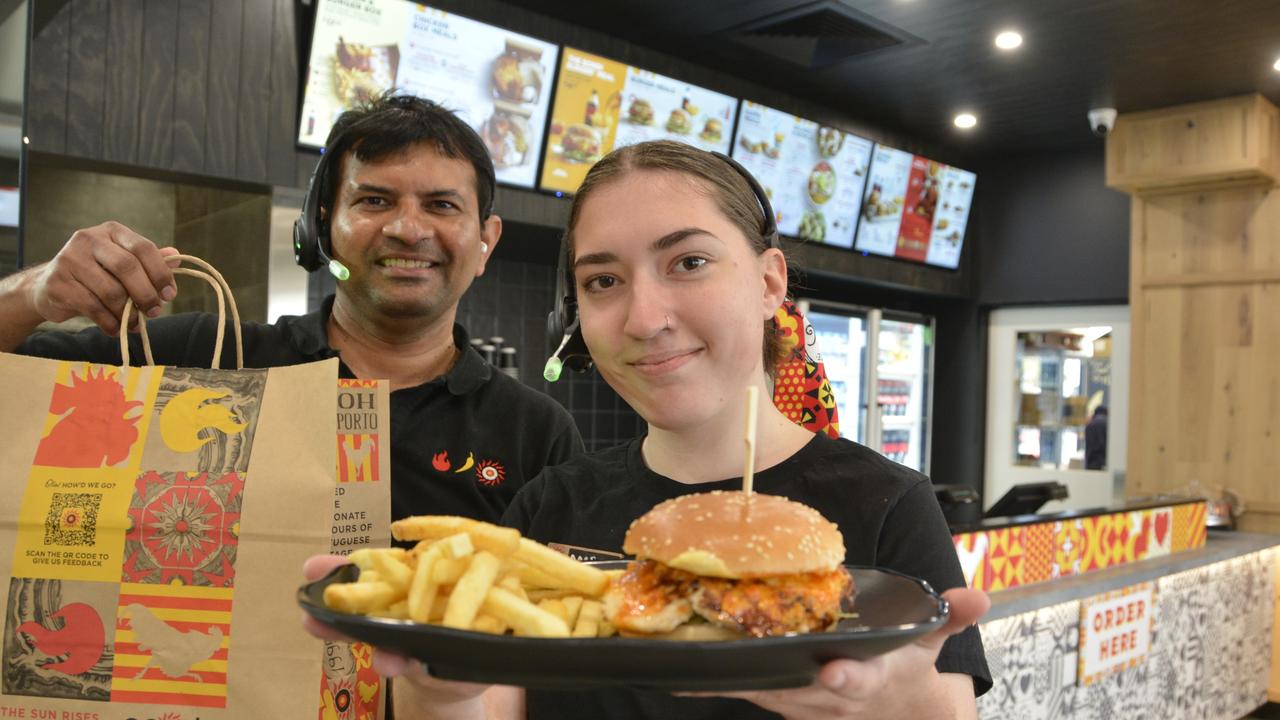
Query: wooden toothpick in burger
[[749, 470]]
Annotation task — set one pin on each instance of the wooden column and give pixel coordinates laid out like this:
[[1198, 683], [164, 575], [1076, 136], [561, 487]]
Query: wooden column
[[1205, 299], [1204, 295]]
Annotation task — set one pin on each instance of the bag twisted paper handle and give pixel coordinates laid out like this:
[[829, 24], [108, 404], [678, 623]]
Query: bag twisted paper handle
[[225, 300]]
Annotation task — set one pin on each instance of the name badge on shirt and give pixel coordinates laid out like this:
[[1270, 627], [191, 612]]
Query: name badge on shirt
[[585, 554]]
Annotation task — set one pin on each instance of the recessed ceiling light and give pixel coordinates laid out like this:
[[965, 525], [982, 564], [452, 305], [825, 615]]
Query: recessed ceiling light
[[1277, 65], [1009, 40], [964, 121]]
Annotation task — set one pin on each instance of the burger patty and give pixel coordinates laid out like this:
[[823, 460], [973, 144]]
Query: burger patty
[[774, 605], [652, 598]]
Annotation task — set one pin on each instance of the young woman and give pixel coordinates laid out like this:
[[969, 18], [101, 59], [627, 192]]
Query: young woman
[[676, 283]]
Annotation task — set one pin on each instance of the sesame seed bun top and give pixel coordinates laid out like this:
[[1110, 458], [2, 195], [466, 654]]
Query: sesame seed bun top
[[725, 534]]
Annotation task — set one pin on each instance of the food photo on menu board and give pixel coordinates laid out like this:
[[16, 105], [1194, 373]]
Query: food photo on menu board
[[601, 104], [915, 208], [812, 174], [498, 81]]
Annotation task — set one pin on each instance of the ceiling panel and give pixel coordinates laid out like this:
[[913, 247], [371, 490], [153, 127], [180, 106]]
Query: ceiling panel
[[1130, 54]]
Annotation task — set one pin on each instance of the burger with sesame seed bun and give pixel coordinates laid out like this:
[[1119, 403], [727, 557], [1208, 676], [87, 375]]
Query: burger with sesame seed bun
[[729, 564]]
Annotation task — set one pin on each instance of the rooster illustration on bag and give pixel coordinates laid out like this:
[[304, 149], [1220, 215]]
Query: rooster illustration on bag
[[172, 650]]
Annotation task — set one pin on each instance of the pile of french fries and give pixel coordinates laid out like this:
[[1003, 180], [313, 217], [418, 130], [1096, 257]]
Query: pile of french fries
[[472, 575]]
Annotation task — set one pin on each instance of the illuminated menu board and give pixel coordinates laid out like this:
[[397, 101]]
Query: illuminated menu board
[[601, 104], [812, 174], [498, 81], [915, 208]]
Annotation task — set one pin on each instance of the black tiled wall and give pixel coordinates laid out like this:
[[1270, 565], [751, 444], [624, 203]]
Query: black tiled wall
[[511, 300]]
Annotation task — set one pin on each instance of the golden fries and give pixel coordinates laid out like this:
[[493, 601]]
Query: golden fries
[[589, 619], [359, 598], [524, 617], [498, 540], [471, 575], [472, 587], [564, 570]]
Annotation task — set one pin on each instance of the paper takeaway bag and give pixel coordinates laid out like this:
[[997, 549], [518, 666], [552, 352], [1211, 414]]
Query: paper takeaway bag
[[152, 531], [361, 514]]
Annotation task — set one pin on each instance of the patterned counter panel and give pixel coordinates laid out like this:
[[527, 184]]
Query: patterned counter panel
[[1210, 653], [1012, 556]]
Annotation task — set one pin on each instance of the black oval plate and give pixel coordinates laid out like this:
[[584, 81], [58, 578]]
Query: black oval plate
[[893, 609]]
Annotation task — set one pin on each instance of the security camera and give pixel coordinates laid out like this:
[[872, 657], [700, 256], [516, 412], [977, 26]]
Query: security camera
[[1101, 120]]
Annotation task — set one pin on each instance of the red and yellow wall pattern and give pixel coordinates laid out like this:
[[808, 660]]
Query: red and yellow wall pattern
[[1009, 557]]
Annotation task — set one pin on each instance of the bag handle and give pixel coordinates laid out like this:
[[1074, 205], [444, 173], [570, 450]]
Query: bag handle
[[225, 300]]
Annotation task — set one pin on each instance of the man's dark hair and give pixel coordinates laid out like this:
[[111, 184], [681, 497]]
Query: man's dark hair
[[393, 123]]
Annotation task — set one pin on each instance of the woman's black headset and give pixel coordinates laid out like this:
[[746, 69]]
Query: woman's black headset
[[562, 323]]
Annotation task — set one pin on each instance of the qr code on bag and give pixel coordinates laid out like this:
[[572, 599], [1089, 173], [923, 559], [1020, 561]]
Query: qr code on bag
[[72, 519]]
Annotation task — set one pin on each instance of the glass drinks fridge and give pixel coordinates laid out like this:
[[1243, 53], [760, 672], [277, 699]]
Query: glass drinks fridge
[[880, 366]]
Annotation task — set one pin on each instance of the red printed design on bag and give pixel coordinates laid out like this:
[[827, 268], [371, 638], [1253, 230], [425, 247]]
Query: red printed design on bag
[[184, 529], [79, 642], [57, 639], [358, 458], [351, 688], [97, 426]]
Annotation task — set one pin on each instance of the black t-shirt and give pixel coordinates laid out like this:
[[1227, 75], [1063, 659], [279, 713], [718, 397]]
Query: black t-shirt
[[495, 432], [887, 513]]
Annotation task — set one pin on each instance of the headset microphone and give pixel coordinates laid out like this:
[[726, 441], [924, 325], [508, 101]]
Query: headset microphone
[[311, 231], [338, 270], [563, 325]]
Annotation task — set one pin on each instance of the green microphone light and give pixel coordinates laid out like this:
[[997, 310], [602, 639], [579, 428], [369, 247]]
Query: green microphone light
[[551, 371], [338, 270]]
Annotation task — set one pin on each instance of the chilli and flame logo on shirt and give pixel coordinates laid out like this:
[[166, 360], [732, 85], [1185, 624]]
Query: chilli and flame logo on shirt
[[489, 473]]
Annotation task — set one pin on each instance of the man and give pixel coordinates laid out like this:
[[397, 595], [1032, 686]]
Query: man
[[406, 208], [1095, 440]]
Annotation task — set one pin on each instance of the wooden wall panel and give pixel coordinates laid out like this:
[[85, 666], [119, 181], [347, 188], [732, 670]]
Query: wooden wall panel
[[123, 81], [1206, 382], [223, 87], [86, 85], [253, 98], [1263, 413], [47, 88], [1220, 232], [191, 75], [1152, 414], [1209, 385], [282, 119], [155, 111]]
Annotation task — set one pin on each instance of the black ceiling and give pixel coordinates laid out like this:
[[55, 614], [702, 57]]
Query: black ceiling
[[1078, 54]]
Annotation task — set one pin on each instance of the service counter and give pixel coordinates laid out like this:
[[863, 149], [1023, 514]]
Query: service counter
[[1133, 611]]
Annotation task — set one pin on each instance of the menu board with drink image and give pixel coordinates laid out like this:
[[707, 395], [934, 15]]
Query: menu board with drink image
[[915, 208], [601, 104], [496, 80], [812, 174]]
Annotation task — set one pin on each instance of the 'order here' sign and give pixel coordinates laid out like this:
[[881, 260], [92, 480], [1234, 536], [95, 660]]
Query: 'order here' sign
[[1115, 631]]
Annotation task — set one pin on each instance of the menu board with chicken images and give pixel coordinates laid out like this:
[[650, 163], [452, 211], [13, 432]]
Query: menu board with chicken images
[[498, 81], [602, 104], [915, 208], [812, 174]]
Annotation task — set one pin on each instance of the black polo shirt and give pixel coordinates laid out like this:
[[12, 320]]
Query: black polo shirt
[[461, 444], [886, 512]]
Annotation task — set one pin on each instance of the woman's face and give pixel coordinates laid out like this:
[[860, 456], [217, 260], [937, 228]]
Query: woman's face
[[672, 298]]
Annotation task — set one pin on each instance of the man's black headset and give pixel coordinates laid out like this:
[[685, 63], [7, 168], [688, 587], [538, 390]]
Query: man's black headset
[[563, 327], [311, 248]]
